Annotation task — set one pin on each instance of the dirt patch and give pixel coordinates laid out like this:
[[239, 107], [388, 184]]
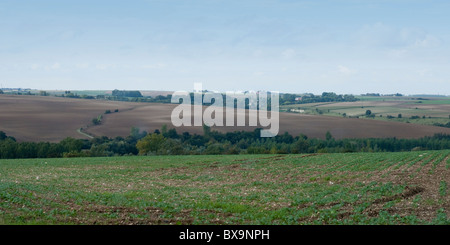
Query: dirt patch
[[310, 155], [97, 215], [274, 158], [409, 192]]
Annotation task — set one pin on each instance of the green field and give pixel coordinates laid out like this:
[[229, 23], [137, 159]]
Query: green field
[[350, 188], [81, 92], [430, 111]]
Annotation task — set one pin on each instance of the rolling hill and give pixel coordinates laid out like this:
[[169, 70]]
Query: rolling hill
[[36, 118]]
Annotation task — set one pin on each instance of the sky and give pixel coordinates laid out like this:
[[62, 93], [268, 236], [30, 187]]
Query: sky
[[303, 46]]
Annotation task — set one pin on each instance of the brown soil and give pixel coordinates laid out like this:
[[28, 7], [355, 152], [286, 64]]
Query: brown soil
[[36, 118], [152, 116]]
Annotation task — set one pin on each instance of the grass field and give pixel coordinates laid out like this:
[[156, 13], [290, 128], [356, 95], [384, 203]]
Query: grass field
[[429, 111], [351, 188]]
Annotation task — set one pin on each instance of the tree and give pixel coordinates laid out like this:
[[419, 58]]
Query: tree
[[328, 136], [98, 151], [43, 149], [171, 147], [172, 133], [368, 112], [164, 129], [214, 149], [96, 121], [137, 134], [399, 115], [8, 148], [2, 135], [206, 130], [72, 145], [301, 145], [150, 143], [123, 93], [285, 138]]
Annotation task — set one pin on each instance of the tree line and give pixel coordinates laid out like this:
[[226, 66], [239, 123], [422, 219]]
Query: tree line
[[136, 96], [170, 142], [287, 99]]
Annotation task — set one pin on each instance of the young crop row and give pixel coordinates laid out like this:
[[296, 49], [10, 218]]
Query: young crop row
[[236, 189]]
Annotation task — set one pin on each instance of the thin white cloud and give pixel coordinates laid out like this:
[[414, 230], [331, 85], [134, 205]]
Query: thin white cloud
[[380, 34], [104, 66], [257, 53], [55, 66], [425, 73], [345, 70], [288, 53], [82, 65], [35, 67], [397, 53], [428, 41], [68, 35], [158, 66]]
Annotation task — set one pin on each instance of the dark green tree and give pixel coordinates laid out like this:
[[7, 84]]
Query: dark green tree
[[70, 144], [328, 136]]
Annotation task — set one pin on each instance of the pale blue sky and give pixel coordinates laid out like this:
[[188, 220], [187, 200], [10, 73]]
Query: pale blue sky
[[345, 46]]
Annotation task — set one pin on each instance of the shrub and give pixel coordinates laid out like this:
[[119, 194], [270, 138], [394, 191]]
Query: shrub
[[74, 154], [97, 120]]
